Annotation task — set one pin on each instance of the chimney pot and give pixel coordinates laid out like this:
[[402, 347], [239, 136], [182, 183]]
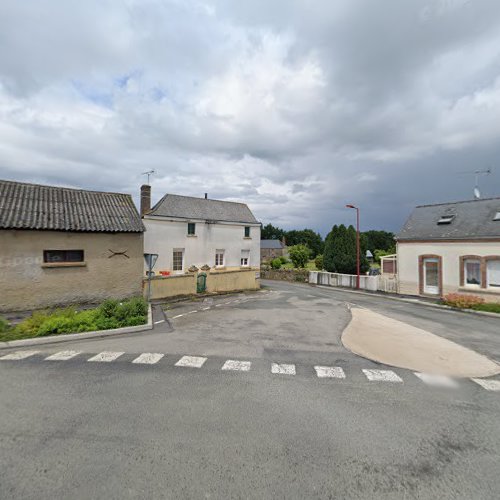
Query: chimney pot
[[206, 196], [145, 199]]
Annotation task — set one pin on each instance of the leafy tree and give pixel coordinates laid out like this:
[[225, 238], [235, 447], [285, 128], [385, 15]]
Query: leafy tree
[[318, 262], [379, 240], [269, 232], [380, 253], [305, 237], [299, 255], [340, 251]]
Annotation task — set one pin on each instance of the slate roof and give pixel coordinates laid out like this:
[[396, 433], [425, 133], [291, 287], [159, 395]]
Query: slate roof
[[187, 207], [271, 244], [472, 219], [34, 206]]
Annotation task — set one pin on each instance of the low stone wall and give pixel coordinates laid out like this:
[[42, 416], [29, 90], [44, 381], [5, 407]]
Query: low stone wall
[[163, 287], [285, 274]]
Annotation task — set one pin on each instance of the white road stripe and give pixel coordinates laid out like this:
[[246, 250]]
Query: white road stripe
[[205, 308], [382, 376], [19, 355], [106, 356], [63, 355], [160, 321], [489, 385], [283, 369], [242, 366], [178, 316], [329, 372], [148, 358], [437, 380], [218, 305], [191, 312], [191, 361]]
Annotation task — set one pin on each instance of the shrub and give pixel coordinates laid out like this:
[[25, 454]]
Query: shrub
[[276, 263], [4, 325], [488, 307], [283, 260], [462, 301], [318, 262], [299, 255]]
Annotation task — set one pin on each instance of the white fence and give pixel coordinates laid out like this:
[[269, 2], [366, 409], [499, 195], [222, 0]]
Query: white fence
[[384, 283]]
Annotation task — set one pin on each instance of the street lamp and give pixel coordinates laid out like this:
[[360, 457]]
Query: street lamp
[[357, 243]]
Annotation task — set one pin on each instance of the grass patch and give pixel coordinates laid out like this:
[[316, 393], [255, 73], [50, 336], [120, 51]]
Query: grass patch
[[488, 307], [110, 314]]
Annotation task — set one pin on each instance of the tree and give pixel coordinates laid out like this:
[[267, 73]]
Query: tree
[[299, 255], [340, 251], [269, 232], [305, 237], [379, 240]]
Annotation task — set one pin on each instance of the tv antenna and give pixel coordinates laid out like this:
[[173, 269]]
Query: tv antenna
[[149, 173], [477, 173]]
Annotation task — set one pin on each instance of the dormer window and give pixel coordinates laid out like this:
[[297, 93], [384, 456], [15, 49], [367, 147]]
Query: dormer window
[[446, 219], [497, 216]]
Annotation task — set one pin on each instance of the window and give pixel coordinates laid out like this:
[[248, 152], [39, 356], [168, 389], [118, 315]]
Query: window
[[245, 258], [493, 273], [177, 260], [219, 258], [191, 228], [446, 219], [56, 256], [472, 272], [497, 216], [247, 231]]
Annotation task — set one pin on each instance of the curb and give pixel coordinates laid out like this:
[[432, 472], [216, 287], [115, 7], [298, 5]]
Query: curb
[[67, 337], [409, 301]]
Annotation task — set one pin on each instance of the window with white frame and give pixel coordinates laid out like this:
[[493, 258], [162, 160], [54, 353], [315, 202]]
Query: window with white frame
[[472, 272], [177, 259], [245, 258], [219, 258], [493, 273]]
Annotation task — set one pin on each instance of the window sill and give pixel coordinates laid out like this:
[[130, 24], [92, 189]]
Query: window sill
[[476, 289], [50, 265], [192, 235], [247, 237]]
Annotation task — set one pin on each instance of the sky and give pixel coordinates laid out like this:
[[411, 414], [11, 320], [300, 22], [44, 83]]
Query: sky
[[295, 107]]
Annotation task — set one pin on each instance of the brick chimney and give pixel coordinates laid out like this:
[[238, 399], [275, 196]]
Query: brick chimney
[[145, 199]]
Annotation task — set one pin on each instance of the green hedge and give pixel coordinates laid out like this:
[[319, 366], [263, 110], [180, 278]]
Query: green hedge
[[110, 314]]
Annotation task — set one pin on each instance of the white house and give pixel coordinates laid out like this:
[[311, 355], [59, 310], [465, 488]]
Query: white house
[[451, 248], [186, 232]]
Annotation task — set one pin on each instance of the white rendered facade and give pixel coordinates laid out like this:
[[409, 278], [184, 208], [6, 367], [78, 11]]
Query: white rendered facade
[[210, 241]]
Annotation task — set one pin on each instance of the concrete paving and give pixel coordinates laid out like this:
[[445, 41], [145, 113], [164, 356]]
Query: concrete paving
[[392, 342]]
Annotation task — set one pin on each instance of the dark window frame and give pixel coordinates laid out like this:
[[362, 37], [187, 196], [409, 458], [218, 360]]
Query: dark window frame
[[247, 231], [191, 229], [63, 256]]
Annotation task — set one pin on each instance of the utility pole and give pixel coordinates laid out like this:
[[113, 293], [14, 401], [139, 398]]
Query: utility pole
[[358, 250]]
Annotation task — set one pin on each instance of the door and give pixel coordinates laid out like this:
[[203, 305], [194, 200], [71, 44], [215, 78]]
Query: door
[[431, 276], [201, 283]]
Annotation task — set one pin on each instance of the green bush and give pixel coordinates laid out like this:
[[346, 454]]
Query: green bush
[[318, 262], [4, 325], [110, 314], [488, 307], [276, 263], [283, 260]]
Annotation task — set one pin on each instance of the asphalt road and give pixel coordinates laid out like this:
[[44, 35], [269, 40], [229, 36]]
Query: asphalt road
[[80, 429]]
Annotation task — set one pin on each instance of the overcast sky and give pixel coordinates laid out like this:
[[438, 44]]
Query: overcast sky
[[294, 107]]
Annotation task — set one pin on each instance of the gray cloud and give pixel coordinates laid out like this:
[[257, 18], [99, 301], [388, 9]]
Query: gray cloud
[[294, 107]]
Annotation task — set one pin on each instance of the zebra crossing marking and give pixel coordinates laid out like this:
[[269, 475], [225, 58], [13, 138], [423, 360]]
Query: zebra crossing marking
[[191, 361], [437, 380], [283, 369], [148, 358], [242, 366], [62, 355], [489, 385], [106, 356], [15, 356], [382, 376], [329, 372]]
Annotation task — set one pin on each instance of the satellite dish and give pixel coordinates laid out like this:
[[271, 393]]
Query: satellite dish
[[477, 194]]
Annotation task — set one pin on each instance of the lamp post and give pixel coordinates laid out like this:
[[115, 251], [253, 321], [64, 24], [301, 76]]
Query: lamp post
[[357, 244]]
